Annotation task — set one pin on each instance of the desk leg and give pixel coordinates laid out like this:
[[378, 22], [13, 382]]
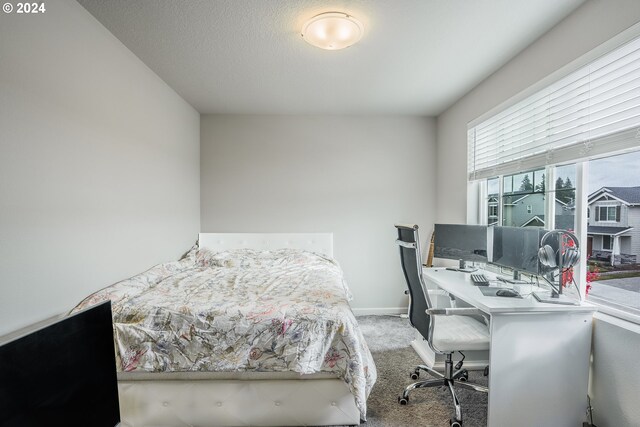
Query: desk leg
[[539, 369]]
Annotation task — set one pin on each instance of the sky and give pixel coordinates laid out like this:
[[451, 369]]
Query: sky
[[616, 171]]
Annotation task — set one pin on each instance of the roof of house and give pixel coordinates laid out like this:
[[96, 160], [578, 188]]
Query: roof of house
[[630, 195], [596, 229], [527, 195], [539, 218], [564, 222]]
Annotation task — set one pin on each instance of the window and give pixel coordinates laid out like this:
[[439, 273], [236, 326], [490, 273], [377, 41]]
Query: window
[[557, 157], [493, 211], [564, 197], [523, 199], [493, 200], [614, 269], [608, 213], [613, 179]]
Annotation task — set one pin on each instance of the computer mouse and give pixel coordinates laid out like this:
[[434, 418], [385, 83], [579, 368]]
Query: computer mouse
[[507, 293]]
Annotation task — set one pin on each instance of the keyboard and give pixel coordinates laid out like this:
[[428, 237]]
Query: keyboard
[[479, 280]]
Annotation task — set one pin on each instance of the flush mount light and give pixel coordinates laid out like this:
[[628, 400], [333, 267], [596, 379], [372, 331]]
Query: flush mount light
[[332, 30]]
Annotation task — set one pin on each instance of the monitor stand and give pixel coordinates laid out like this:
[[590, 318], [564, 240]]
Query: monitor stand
[[552, 297], [516, 279], [464, 268], [513, 281]]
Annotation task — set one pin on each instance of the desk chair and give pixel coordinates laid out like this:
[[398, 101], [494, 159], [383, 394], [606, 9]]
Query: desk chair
[[446, 330]]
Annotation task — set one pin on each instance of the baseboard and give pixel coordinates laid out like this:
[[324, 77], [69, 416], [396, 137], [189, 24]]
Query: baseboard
[[379, 311]]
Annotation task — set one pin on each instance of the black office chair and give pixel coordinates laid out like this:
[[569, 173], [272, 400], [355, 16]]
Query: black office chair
[[446, 330]]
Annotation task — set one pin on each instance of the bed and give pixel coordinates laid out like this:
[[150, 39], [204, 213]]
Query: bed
[[245, 329]]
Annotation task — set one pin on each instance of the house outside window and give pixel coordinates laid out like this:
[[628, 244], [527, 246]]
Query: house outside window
[[614, 194], [615, 230], [523, 199], [493, 200], [493, 211]]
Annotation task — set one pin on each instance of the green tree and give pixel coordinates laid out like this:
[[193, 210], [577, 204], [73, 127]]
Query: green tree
[[541, 186], [568, 184], [526, 184], [565, 191]]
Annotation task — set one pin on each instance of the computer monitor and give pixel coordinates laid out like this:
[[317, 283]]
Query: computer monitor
[[515, 248], [460, 242], [62, 373]]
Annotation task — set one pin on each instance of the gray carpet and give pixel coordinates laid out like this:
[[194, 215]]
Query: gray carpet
[[389, 338]]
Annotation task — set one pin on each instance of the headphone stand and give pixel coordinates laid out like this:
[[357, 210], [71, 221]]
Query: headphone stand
[[557, 260]]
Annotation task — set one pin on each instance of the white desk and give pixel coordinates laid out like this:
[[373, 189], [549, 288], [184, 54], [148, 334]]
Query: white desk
[[538, 357]]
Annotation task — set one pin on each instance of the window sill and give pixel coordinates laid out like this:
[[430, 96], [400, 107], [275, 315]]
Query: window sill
[[618, 317], [629, 325]]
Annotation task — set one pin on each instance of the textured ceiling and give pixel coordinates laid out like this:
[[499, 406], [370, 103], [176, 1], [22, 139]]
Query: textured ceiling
[[247, 56]]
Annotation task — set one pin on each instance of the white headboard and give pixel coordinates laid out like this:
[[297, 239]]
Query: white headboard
[[315, 242]]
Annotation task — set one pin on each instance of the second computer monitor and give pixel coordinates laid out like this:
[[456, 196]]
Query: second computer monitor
[[460, 242], [515, 248]]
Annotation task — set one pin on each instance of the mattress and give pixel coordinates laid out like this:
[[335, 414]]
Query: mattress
[[237, 312]]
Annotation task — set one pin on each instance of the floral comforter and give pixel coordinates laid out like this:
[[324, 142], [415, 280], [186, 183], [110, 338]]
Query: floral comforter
[[244, 310]]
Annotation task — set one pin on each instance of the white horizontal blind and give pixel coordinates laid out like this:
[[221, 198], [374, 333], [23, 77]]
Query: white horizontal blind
[[591, 111]]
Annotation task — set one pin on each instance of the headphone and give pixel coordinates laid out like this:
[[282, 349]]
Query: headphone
[[567, 253]]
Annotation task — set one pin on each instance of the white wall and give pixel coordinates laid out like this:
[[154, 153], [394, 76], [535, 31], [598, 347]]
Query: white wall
[[614, 380], [99, 164], [353, 176], [615, 377]]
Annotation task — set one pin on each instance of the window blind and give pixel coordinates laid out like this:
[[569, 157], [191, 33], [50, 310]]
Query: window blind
[[592, 111]]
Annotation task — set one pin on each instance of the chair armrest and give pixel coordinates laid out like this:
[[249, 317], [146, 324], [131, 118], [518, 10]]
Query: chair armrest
[[462, 311]]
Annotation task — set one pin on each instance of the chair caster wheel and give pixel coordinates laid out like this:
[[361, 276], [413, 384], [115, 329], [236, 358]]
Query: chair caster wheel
[[464, 378], [486, 371], [403, 400], [415, 375], [454, 423]]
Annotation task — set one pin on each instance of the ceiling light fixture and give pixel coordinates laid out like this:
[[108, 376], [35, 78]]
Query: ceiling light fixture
[[332, 30]]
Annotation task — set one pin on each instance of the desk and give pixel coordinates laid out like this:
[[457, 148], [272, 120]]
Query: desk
[[538, 356]]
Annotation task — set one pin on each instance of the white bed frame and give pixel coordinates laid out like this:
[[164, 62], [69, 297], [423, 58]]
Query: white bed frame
[[240, 399]]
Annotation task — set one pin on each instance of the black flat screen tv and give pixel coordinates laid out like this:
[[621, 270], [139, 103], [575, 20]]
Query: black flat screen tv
[[61, 374]]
